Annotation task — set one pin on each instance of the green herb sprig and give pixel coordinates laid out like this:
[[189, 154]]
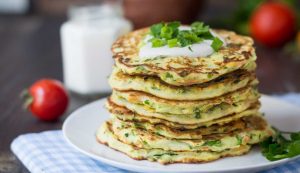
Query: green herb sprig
[[169, 34], [279, 147]]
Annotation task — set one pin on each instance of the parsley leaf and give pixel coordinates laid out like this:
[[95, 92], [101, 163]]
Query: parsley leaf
[[174, 25], [295, 136], [155, 29], [278, 147], [293, 148]]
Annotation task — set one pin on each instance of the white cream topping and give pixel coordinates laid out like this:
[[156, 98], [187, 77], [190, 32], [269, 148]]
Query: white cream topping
[[202, 49]]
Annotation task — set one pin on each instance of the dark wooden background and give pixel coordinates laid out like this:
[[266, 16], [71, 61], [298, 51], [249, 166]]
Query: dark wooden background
[[30, 50]]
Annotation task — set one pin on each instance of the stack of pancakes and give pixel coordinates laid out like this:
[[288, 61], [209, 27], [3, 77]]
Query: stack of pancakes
[[181, 109]]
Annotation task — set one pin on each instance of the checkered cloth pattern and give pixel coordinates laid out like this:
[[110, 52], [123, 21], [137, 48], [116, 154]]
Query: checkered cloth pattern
[[48, 152]]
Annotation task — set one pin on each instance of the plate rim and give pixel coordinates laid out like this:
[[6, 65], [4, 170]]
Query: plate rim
[[132, 167]]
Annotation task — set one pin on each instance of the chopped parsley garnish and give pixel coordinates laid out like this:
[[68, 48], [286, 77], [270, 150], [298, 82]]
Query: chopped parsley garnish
[[155, 29], [216, 44], [156, 42], [169, 75], [170, 154], [197, 113], [279, 147], [209, 75], [140, 68], [147, 102], [173, 42], [213, 143], [239, 140], [199, 28], [169, 34], [155, 88]]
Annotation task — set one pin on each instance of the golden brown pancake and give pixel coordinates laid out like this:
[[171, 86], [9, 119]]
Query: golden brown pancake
[[141, 138], [152, 103], [105, 136], [244, 123], [154, 86], [238, 54], [124, 114]]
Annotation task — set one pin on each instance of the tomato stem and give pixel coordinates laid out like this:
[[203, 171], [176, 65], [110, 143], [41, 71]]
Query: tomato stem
[[27, 97]]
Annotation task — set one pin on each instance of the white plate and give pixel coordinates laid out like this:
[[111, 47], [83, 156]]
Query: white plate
[[80, 127]]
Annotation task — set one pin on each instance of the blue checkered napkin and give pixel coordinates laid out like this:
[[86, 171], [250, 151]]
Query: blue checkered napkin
[[48, 152]]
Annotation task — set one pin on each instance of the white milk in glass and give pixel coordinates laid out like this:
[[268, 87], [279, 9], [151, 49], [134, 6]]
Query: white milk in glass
[[86, 41]]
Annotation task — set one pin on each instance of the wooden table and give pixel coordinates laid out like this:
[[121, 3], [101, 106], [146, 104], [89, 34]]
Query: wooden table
[[30, 50]]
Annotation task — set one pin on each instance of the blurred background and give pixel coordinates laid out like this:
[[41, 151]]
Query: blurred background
[[30, 34], [38, 41]]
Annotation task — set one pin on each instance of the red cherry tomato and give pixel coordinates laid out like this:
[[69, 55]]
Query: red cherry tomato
[[273, 24], [48, 99]]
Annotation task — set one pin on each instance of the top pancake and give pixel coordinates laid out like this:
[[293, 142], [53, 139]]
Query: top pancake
[[238, 54]]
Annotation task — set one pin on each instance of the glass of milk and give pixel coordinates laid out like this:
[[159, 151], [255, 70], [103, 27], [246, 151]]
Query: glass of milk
[[86, 39]]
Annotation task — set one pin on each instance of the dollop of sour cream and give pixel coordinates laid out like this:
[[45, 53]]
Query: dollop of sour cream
[[202, 49]]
